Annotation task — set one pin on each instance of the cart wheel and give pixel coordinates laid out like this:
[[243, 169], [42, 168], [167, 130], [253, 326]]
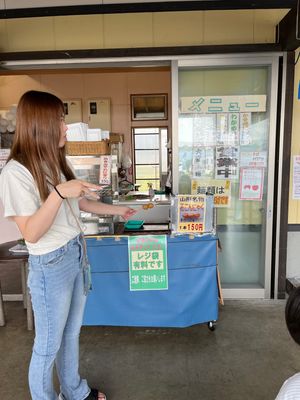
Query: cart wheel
[[212, 325]]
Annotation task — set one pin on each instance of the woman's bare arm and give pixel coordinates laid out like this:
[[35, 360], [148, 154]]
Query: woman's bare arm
[[33, 227], [97, 207]]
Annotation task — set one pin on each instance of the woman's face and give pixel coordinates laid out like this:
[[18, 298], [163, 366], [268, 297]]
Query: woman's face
[[63, 131]]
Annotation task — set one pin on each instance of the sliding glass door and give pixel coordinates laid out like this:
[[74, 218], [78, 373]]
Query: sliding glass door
[[225, 135]]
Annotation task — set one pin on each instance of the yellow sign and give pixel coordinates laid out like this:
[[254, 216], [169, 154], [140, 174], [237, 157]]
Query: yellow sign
[[219, 188]]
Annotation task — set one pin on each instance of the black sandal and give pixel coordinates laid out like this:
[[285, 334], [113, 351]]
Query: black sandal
[[95, 395]]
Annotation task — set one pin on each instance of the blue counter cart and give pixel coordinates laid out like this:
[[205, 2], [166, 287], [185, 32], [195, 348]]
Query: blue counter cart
[[192, 296]]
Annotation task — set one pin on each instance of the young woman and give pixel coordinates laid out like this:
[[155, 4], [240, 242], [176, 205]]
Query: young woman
[[40, 193]]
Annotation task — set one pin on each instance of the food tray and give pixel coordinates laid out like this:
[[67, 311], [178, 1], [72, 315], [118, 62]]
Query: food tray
[[134, 224], [87, 148]]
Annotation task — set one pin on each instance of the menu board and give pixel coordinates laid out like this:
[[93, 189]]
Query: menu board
[[222, 140]]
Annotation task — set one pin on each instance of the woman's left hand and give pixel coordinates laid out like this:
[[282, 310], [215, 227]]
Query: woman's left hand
[[127, 212]]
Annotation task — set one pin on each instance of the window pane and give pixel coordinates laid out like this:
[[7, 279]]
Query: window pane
[[147, 172], [146, 141], [147, 157], [164, 150], [139, 131]]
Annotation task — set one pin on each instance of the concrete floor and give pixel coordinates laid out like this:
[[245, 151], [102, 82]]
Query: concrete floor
[[247, 357]]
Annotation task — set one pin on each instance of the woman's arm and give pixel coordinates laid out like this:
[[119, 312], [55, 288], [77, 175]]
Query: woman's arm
[[97, 207], [33, 227]]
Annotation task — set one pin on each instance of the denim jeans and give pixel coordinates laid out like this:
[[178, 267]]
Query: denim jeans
[[56, 286]]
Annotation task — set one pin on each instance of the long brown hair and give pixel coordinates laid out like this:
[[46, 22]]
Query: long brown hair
[[35, 145]]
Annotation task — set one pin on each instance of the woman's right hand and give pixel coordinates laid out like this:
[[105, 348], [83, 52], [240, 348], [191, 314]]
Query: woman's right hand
[[77, 188]]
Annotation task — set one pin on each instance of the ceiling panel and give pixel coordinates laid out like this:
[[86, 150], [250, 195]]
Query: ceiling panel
[[46, 3], [223, 4]]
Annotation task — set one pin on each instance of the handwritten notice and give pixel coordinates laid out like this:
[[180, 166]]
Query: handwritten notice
[[251, 183], [105, 170], [253, 159], [203, 164], [222, 128], [245, 124]]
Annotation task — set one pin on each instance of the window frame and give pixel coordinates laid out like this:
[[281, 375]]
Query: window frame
[[143, 99]]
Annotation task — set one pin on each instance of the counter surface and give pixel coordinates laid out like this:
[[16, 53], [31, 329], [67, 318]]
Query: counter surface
[[159, 213]]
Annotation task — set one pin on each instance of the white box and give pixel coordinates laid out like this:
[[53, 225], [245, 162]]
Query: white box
[[93, 135], [104, 135], [77, 132]]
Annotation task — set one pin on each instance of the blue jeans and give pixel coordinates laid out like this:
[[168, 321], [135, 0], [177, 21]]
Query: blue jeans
[[56, 286]]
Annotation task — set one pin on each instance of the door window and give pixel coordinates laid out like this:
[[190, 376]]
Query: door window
[[150, 157]]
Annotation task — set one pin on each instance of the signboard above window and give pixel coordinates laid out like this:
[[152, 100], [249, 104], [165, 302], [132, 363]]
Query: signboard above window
[[149, 107]]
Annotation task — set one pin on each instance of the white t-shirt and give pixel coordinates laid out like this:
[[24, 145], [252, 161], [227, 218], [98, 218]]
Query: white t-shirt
[[20, 197], [290, 390]]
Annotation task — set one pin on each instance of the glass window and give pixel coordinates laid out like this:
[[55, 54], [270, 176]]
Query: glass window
[[147, 171], [146, 141], [147, 157], [150, 157]]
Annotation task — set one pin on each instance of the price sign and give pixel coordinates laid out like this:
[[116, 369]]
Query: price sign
[[191, 213]]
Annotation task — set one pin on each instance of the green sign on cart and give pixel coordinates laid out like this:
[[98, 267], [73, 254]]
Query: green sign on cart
[[148, 268]]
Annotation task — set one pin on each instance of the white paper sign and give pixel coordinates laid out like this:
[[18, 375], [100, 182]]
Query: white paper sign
[[227, 162], [203, 165], [204, 130], [105, 170], [251, 183], [222, 128], [245, 124], [252, 159], [296, 177], [233, 129]]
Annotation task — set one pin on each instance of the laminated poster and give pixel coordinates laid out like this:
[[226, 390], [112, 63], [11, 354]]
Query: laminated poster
[[219, 188], [296, 177], [233, 137], [222, 128], [203, 164], [245, 124], [148, 268], [191, 214], [227, 162], [204, 128], [251, 183]]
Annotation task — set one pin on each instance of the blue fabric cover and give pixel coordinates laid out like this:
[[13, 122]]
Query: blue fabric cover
[[192, 296]]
